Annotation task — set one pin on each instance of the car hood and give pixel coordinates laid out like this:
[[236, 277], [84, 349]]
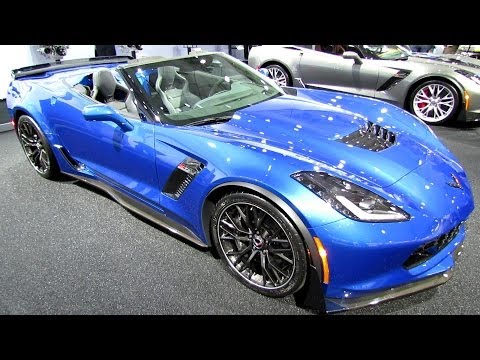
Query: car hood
[[311, 131], [455, 61]]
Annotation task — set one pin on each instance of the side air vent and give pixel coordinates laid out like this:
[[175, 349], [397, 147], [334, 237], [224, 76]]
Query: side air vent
[[372, 137], [181, 177], [394, 80], [425, 252], [71, 161]]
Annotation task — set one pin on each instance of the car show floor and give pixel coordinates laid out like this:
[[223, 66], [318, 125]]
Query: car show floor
[[66, 248]]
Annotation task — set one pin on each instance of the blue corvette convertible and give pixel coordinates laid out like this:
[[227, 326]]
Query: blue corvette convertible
[[341, 200]]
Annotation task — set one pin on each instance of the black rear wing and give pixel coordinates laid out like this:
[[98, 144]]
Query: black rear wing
[[67, 64]]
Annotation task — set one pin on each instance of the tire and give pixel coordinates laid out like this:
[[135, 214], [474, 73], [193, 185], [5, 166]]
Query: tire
[[36, 148], [265, 251], [435, 102], [279, 74]]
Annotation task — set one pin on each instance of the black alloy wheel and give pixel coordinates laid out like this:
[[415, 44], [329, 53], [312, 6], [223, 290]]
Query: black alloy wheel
[[259, 244], [36, 148]]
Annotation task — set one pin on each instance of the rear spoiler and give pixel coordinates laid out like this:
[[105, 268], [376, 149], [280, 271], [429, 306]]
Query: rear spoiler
[[67, 64]]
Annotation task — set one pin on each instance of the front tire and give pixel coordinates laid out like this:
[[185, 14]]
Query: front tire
[[259, 245], [36, 148], [279, 74], [435, 102]]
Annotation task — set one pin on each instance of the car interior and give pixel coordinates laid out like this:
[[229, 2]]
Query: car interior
[[181, 89], [103, 87], [173, 89]]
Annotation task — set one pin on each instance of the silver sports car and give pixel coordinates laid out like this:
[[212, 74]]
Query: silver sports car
[[436, 88]]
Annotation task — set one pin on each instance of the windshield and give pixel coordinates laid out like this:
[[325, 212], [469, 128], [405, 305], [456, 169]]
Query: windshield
[[384, 52], [187, 90]]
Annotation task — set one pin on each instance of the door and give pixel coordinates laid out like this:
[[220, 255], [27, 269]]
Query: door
[[125, 159], [327, 71]]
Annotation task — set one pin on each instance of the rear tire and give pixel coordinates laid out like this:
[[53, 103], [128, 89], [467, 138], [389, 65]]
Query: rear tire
[[36, 148]]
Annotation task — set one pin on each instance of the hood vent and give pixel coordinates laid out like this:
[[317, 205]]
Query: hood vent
[[372, 137]]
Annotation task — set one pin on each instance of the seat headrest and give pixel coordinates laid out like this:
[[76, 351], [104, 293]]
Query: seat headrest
[[152, 79], [167, 75], [104, 81]]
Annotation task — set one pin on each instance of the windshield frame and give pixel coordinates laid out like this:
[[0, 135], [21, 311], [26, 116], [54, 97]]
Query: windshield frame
[[158, 115], [368, 54]]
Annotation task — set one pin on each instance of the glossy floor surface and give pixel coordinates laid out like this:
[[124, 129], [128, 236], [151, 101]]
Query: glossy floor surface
[[68, 249]]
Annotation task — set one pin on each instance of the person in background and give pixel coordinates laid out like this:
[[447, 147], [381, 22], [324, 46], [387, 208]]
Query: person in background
[[422, 48], [105, 50], [439, 49], [450, 49]]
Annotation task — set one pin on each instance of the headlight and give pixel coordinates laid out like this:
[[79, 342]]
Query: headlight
[[474, 77], [349, 199]]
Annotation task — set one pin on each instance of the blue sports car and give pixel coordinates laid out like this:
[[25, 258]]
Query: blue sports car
[[341, 200]]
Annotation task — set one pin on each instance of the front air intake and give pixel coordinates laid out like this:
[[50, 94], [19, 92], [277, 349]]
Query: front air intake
[[425, 252], [372, 137]]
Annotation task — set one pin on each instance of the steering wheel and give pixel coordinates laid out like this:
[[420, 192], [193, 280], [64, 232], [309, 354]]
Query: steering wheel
[[215, 87]]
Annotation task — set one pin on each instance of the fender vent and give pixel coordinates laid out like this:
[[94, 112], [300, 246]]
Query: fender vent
[[181, 177], [372, 137], [394, 80]]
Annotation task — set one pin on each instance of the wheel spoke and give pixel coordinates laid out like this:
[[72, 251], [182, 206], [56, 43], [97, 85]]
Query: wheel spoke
[[279, 280], [237, 260], [276, 268], [255, 217], [242, 215], [265, 271], [234, 223], [235, 238], [239, 253], [26, 129], [276, 251], [231, 226], [33, 153], [276, 232], [422, 96], [425, 110], [228, 232], [284, 258], [260, 220], [280, 240], [446, 102], [248, 220], [247, 263], [27, 140]]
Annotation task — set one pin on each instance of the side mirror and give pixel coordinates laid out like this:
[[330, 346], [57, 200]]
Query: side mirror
[[102, 112], [352, 55]]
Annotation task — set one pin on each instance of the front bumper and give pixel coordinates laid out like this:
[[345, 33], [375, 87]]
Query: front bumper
[[472, 116], [335, 305]]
